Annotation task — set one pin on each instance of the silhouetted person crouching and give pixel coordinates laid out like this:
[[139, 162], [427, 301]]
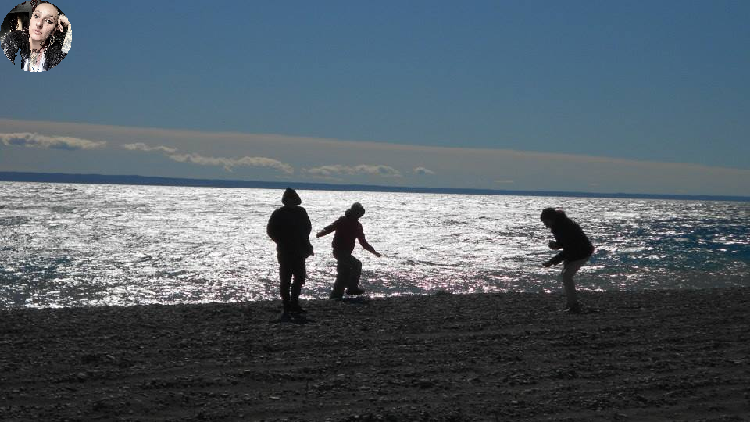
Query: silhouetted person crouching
[[348, 228], [576, 250], [289, 226]]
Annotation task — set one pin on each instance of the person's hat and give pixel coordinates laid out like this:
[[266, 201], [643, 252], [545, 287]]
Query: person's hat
[[290, 197], [358, 209]]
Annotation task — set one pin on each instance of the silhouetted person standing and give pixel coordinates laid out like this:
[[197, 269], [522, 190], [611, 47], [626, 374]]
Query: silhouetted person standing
[[576, 250], [289, 226], [348, 228]]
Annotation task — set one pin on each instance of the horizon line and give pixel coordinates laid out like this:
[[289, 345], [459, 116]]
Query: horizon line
[[103, 179]]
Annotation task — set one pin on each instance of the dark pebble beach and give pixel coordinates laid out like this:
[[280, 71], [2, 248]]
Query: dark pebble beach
[[678, 355]]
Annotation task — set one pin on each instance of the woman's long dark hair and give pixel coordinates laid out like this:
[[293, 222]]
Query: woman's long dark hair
[[54, 44]]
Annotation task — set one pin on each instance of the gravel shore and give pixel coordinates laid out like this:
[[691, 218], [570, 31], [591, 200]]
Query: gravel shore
[[640, 356]]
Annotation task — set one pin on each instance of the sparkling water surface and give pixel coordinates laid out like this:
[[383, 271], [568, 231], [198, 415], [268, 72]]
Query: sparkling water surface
[[78, 245]]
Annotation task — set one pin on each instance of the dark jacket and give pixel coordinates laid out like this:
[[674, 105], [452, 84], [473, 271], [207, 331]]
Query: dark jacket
[[289, 226], [18, 42], [573, 241], [348, 229]]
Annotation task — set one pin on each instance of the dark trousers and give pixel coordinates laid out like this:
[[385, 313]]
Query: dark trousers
[[349, 269], [291, 266], [570, 268]]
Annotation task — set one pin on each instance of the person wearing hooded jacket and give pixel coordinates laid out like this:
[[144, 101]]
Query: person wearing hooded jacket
[[348, 229], [290, 227], [576, 250]]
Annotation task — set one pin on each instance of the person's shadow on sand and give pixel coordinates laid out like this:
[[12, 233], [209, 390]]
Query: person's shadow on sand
[[356, 300], [291, 319]]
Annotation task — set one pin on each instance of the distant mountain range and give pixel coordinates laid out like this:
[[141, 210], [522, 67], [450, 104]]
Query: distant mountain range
[[100, 179]]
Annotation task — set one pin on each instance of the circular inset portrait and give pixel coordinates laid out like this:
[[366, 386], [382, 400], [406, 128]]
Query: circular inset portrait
[[39, 33]]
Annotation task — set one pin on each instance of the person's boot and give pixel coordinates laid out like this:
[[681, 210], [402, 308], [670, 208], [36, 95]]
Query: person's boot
[[286, 311], [574, 308], [354, 291], [295, 292], [294, 305], [338, 290], [294, 308]]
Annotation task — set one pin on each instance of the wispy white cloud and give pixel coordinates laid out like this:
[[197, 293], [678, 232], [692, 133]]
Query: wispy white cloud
[[35, 140], [225, 162], [230, 163], [422, 170], [140, 146], [362, 169]]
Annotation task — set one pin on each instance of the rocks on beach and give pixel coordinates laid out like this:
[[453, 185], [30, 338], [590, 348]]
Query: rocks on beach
[[655, 355]]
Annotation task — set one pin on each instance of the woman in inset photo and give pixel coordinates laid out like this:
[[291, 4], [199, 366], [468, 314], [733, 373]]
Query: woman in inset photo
[[44, 43]]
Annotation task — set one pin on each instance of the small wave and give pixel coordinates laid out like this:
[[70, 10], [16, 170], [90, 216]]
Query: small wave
[[57, 209], [417, 263], [455, 223], [15, 220]]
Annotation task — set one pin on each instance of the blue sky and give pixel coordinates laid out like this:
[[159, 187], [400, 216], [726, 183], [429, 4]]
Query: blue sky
[[486, 94]]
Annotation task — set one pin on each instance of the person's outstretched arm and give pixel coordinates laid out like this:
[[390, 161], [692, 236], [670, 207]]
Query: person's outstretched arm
[[326, 230], [366, 246], [560, 257], [555, 244]]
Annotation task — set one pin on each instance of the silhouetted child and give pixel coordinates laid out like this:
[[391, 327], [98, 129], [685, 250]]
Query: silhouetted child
[[347, 228], [289, 226], [576, 250]]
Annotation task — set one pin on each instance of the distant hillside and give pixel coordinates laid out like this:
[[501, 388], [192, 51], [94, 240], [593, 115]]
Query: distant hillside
[[100, 179]]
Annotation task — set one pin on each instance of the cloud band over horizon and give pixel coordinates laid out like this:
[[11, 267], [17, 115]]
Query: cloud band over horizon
[[196, 154]]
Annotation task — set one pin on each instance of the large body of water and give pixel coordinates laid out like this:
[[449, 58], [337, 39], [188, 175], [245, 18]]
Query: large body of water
[[77, 245]]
